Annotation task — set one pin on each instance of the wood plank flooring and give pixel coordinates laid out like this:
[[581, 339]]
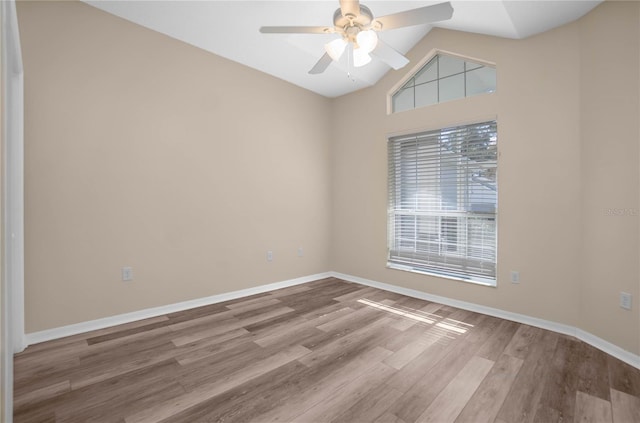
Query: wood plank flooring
[[325, 351]]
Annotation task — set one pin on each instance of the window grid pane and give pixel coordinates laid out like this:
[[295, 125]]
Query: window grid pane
[[429, 72], [404, 99], [480, 80], [451, 88], [443, 202], [426, 94]]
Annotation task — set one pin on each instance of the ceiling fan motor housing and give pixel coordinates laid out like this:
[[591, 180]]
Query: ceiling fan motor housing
[[350, 25]]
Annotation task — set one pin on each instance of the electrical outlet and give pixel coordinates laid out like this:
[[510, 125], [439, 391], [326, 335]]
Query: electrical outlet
[[625, 300], [127, 274], [515, 276], [269, 255], [300, 252]]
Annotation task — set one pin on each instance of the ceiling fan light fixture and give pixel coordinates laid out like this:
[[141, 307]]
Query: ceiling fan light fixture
[[367, 40], [335, 48], [360, 57], [358, 29]]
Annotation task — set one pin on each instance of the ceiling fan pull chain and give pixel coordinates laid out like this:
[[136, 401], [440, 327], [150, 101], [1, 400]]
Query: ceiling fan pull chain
[[350, 62]]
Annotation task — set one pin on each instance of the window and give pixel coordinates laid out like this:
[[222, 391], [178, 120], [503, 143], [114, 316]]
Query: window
[[444, 78], [443, 202]]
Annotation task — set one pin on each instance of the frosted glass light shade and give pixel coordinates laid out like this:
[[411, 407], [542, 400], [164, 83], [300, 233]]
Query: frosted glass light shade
[[335, 48], [367, 40], [360, 57]]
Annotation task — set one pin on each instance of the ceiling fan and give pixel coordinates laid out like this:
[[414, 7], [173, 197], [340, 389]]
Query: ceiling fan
[[357, 28]]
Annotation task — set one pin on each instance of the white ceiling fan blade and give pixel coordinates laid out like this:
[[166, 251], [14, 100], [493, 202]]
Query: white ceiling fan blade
[[351, 7], [296, 30], [422, 15], [389, 55], [321, 65]]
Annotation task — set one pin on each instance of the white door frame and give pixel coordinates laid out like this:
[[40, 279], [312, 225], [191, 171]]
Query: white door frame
[[12, 201]]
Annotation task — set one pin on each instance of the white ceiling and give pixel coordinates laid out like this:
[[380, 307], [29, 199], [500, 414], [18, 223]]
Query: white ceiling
[[230, 29]]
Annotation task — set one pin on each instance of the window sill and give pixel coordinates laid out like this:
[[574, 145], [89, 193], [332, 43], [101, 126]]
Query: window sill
[[475, 281]]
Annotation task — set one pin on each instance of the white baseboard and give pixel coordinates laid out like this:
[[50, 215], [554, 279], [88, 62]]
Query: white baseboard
[[599, 343], [611, 349], [61, 332]]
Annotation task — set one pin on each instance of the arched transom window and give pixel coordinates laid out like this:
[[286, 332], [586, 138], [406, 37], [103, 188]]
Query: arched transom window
[[444, 78]]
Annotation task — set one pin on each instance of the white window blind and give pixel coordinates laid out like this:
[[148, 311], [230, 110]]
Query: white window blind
[[443, 202]]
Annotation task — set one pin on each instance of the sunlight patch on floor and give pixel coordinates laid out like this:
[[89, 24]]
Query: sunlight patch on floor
[[398, 311]]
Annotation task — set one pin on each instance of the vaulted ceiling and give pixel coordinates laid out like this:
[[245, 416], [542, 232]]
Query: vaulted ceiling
[[231, 29]]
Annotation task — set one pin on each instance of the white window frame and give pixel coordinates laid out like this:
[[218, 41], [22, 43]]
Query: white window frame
[[416, 259]]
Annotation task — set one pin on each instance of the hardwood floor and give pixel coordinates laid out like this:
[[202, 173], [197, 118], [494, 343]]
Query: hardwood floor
[[323, 351]]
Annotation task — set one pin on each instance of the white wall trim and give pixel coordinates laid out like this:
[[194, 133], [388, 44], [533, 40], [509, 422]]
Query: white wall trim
[[61, 332], [599, 343], [13, 200], [13, 177]]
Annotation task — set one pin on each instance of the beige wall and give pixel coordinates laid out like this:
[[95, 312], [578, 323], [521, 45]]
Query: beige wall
[[610, 111], [143, 151], [551, 123]]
